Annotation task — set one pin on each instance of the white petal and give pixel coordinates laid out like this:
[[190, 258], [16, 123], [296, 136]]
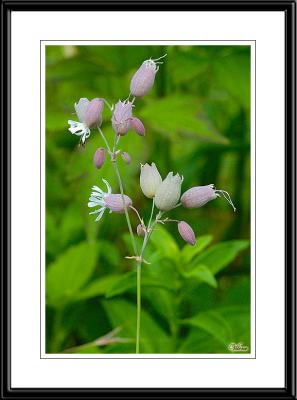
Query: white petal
[[92, 204], [97, 189], [95, 212], [100, 215], [107, 185]]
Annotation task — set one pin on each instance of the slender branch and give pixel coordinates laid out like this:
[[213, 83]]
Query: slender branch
[[104, 139], [115, 166], [137, 213]]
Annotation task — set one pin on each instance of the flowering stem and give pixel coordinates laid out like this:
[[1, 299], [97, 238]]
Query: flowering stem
[[125, 208], [115, 166], [148, 233]]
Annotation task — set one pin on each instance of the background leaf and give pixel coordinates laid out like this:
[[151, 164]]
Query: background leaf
[[70, 272]]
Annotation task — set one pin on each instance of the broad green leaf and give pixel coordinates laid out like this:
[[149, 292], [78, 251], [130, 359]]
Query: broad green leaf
[[99, 287], [199, 341], [189, 252], [128, 282], [164, 243], [202, 274], [214, 323], [219, 256], [180, 114], [224, 324], [70, 272], [153, 338]]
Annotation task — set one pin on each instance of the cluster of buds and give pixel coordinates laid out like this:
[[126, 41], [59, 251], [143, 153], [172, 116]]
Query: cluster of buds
[[167, 194], [122, 119]]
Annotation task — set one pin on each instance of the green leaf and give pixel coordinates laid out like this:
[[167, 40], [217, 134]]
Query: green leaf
[[99, 287], [128, 282], [232, 72], [70, 272], [213, 323], [189, 252], [153, 338], [219, 256], [165, 243], [180, 114], [203, 274]]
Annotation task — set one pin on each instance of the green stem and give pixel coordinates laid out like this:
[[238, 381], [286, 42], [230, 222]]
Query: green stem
[[104, 139], [138, 306], [139, 263], [115, 166]]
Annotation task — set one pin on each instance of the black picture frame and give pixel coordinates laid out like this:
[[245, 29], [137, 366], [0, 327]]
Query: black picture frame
[[289, 8]]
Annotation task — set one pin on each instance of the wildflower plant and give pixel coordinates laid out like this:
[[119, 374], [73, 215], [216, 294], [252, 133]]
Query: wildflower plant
[[165, 194]]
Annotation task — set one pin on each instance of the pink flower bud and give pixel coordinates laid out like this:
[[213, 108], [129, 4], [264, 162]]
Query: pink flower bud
[[186, 232], [198, 196], [140, 230], [121, 117], [115, 202], [126, 157], [143, 79], [93, 113], [99, 157], [138, 126]]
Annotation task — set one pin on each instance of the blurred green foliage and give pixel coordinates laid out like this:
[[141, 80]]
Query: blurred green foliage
[[197, 118]]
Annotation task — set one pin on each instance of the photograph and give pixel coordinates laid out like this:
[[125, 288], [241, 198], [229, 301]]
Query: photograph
[[148, 202], [149, 208]]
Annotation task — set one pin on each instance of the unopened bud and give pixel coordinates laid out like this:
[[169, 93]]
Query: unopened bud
[[140, 230], [150, 179], [126, 157], [168, 193], [93, 114], [197, 196], [121, 117], [99, 157], [186, 232], [138, 126], [116, 204], [143, 79]]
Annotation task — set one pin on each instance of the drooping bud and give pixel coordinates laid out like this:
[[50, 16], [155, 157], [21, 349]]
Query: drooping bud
[[81, 108], [90, 112], [150, 180], [121, 117], [99, 157], [197, 196], [126, 157], [93, 114], [143, 79], [90, 116], [116, 204], [186, 232], [138, 126], [168, 193], [140, 230]]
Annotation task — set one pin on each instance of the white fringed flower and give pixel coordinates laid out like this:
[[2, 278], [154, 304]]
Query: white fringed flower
[[79, 129], [97, 199], [89, 114], [114, 202]]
